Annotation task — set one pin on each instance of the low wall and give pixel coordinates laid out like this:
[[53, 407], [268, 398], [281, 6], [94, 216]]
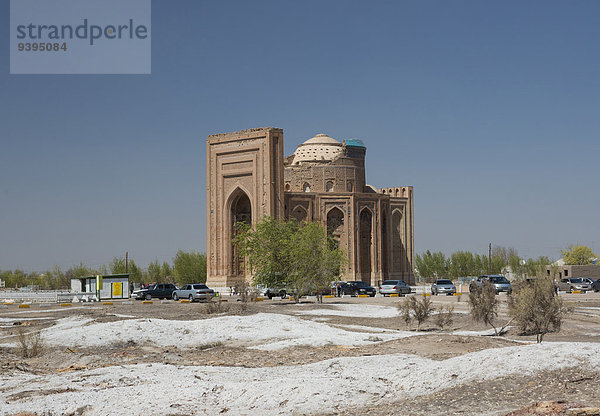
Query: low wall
[[46, 296]]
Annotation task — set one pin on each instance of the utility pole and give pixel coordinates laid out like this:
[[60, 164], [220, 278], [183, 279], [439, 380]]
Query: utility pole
[[126, 262], [490, 259]]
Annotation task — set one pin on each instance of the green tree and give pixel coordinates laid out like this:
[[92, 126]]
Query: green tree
[[268, 250], [432, 266], [537, 267], [299, 256], [316, 260], [189, 267], [482, 265], [155, 271], [504, 253], [462, 264], [16, 278], [578, 255], [56, 279], [167, 271], [79, 270], [158, 272], [117, 266], [516, 267]]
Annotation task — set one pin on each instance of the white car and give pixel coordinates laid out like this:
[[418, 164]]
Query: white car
[[194, 291], [443, 286], [390, 287]]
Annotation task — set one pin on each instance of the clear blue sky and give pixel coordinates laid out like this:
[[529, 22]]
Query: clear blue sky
[[489, 109]]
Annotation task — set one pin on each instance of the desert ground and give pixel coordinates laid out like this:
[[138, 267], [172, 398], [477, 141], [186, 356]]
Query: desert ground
[[347, 356]]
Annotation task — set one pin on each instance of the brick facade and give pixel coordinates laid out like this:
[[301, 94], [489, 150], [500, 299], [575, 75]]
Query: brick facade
[[324, 180]]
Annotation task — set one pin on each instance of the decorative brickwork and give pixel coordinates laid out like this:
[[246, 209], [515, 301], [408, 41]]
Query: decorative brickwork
[[324, 180]]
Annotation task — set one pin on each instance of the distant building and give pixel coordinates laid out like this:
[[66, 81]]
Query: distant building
[[566, 270], [323, 180]]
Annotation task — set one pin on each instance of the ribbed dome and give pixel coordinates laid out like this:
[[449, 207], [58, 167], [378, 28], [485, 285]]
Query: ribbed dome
[[318, 149]]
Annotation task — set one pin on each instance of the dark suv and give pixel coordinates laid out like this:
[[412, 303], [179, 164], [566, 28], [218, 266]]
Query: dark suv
[[357, 287], [272, 292], [157, 290]]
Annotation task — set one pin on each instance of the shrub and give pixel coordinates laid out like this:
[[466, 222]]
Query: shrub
[[445, 316], [537, 309], [484, 304], [30, 343], [216, 306], [247, 293], [420, 310]]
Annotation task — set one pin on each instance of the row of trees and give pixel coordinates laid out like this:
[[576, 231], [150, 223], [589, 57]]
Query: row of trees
[[300, 256], [431, 266], [186, 267]]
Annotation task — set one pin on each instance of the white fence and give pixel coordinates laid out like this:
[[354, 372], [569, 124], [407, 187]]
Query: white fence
[[45, 296]]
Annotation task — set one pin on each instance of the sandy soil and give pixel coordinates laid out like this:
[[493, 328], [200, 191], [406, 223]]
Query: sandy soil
[[497, 396]]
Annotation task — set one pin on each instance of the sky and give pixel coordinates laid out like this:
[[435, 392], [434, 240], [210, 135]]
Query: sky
[[490, 110]]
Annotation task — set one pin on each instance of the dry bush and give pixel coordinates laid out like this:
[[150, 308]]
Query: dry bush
[[419, 310], [484, 304], [461, 340], [537, 309], [216, 306], [246, 292], [445, 316], [30, 343]]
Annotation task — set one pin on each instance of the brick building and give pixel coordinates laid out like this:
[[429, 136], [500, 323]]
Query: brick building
[[323, 180], [566, 270]]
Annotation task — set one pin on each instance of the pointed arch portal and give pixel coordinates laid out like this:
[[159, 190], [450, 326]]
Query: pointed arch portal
[[365, 235], [241, 212], [335, 224]]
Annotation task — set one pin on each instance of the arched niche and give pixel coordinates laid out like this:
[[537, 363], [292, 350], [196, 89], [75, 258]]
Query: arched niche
[[240, 212], [398, 240], [366, 241], [300, 213], [335, 223]]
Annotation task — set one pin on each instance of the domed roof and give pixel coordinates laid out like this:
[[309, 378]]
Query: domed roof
[[322, 139], [320, 148]]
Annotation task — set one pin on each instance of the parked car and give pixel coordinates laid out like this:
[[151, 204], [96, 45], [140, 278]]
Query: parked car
[[193, 292], [596, 286], [389, 287], [156, 290], [443, 286], [500, 283], [357, 287], [272, 292], [589, 280], [570, 284]]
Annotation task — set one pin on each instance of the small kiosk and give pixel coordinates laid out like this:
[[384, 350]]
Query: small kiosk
[[111, 286]]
